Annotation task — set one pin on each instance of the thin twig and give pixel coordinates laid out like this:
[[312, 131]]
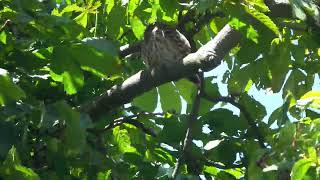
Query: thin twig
[[221, 166], [129, 120], [7, 23], [191, 124], [244, 111]]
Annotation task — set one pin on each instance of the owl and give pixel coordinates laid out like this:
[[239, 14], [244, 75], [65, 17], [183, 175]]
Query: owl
[[163, 46]]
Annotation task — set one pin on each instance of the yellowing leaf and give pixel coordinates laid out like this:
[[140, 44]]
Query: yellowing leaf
[[82, 19], [311, 98]]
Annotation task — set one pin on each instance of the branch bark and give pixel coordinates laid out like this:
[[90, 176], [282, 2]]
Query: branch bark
[[207, 57]]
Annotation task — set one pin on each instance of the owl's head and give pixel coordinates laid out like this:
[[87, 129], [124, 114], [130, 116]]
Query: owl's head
[[156, 31]]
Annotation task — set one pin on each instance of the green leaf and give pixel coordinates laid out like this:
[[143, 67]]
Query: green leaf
[[255, 108], [173, 131], [64, 69], [186, 89], [287, 135], [223, 120], [102, 44], [137, 27], [259, 5], [294, 86], [169, 97], [74, 136], [3, 37], [311, 98], [300, 168], [264, 19], [252, 34], [133, 4], [278, 61], [211, 88], [237, 23], [12, 158], [205, 106], [7, 136], [82, 19], [298, 11], [9, 91], [12, 168], [122, 140], [101, 59], [147, 101], [116, 20], [70, 8]]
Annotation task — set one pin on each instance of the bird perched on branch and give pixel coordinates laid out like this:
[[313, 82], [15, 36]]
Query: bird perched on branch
[[163, 46]]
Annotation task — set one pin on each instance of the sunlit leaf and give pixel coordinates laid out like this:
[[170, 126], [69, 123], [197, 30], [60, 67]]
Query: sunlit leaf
[[300, 168], [9, 91], [137, 27]]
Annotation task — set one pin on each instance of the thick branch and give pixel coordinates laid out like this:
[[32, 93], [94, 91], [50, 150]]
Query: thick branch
[[207, 57]]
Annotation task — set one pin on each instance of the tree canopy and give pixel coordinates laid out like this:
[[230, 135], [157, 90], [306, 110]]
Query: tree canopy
[[77, 102]]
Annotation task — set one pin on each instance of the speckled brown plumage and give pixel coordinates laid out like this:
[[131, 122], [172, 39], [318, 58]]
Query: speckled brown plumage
[[163, 46]]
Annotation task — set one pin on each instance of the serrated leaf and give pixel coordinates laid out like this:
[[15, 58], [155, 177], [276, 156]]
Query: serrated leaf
[[264, 19], [169, 97], [259, 5], [122, 140]]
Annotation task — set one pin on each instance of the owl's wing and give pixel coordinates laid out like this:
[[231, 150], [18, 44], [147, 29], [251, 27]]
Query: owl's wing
[[178, 41]]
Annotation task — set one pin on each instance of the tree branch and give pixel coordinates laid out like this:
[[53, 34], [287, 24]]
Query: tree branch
[[207, 57], [191, 124], [129, 49], [122, 120]]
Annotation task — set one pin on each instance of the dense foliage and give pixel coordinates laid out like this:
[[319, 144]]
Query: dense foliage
[[56, 55]]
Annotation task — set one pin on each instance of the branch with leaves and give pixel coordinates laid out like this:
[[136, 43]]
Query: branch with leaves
[[133, 120], [191, 125], [206, 58]]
